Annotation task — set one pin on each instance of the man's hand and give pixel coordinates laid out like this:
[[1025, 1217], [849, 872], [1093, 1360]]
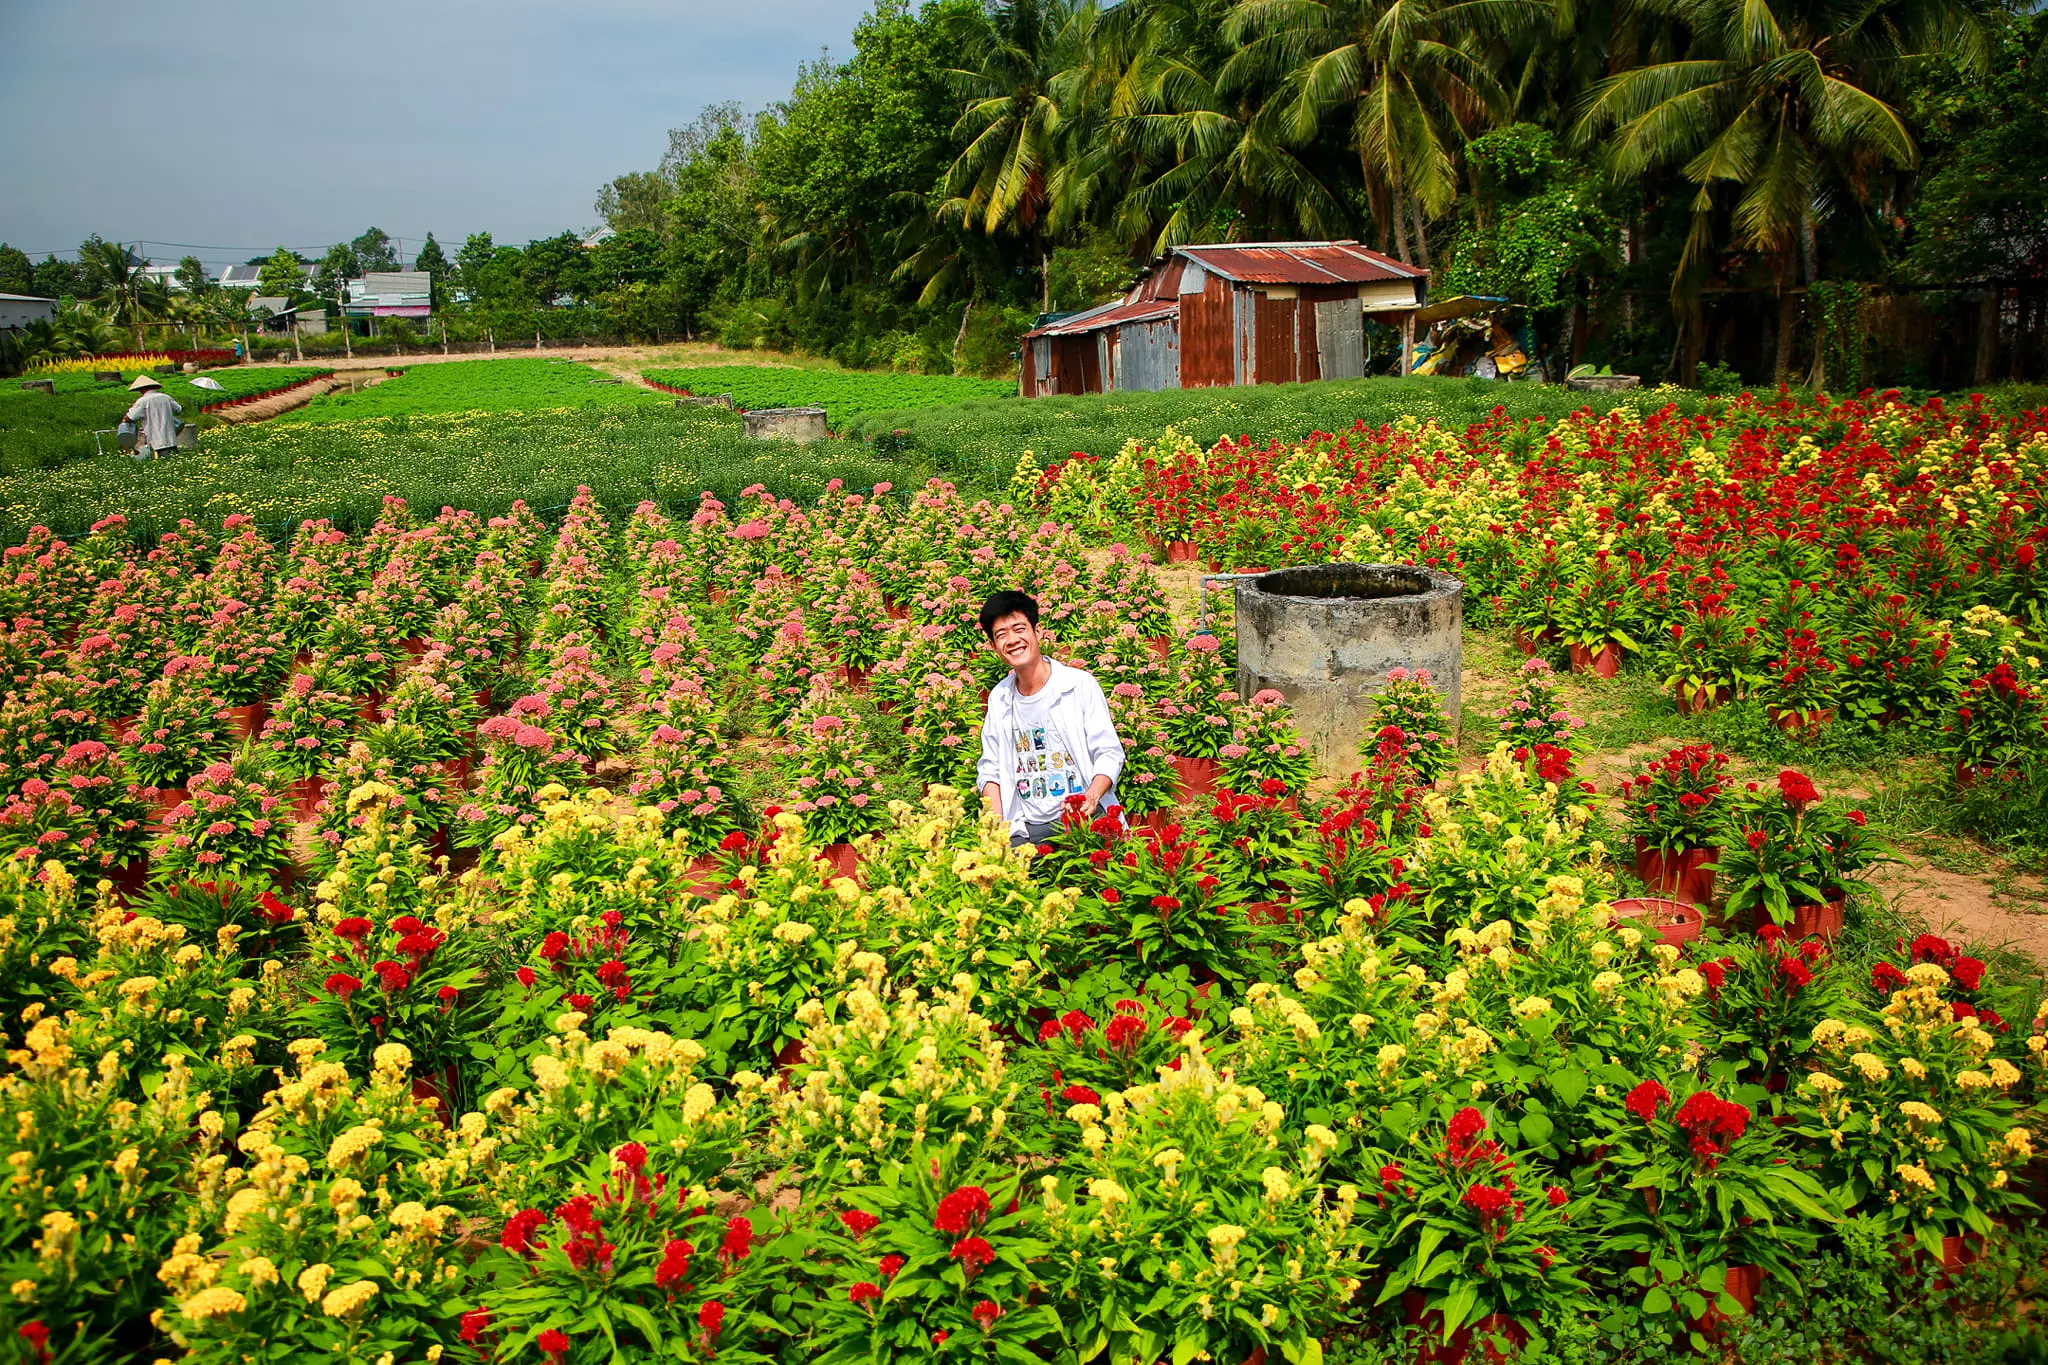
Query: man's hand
[[1089, 801]]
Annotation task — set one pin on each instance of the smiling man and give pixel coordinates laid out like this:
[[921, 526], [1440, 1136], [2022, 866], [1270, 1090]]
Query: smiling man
[[1047, 735]]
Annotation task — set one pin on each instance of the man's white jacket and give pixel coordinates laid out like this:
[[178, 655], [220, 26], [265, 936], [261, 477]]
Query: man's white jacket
[[1075, 708]]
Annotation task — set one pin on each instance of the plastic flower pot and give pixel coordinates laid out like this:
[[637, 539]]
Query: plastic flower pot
[[1824, 919], [897, 611], [1802, 724], [368, 705], [1434, 1350], [1197, 777], [1674, 922], [457, 772], [844, 858], [1160, 645], [1694, 700], [1967, 774], [1271, 912], [162, 801], [701, 877], [1180, 552], [1602, 663], [416, 645], [306, 795], [1532, 645], [248, 720], [1158, 820], [1679, 875], [787, 1058], [1956, 1252], [130, 878], [854, 676]]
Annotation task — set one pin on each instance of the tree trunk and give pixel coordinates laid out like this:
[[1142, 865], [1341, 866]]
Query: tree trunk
[[960, 338], [1421, 236], [1400, 225], [1987, 335], [1809, 260], [1044, 277]]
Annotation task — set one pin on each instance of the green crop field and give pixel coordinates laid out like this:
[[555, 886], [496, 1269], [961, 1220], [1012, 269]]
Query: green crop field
[[848, 396], [988, 436], [40, 430], [520, 385]]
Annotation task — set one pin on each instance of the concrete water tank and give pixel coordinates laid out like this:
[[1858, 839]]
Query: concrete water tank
[[784, 424], [1325, 636]]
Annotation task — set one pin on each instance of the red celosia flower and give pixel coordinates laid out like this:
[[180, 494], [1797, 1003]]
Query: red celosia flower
[[1390, 1176], [579, 1002], [1714, 1123], [1557, 1196], [675, 1262], [1756, 839], [554, 945], [1048, 1030], [631, 1155], [475, 1323], [447, 995], [392, 976], [274, 910], [738, 1240], [519, 1229], [1080, 1094], [355, 929], [711, 1317], [973, 1254], [526, 976], [1166, 904], [986, 1312], [1644, 1099], [1123, 1034], [890, 1264], [1885, 978], [859, 1222], [1076, 1024], [1487, 1201], [1797, 973], [965, 1208], [1467, 1124], [1797, 788], [1112, 895], [1968, 972], [38, 1338], [554, 1343], [1546, 1257], [866, 1292], [342, 985], [1273, 786], [733, 842]]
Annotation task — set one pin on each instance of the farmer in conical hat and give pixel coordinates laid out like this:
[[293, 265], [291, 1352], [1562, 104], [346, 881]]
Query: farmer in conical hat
[[155, 415]]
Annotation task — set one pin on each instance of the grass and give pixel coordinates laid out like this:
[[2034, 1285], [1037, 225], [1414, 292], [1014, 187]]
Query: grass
[[846, 395], [41, 431], [280, 473], [512, 385], [987, 436]]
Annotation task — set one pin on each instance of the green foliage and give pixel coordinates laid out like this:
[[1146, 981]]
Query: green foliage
[[1539, 224], [42, 431], [477, 386]]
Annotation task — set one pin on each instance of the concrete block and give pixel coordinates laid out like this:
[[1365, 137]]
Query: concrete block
[[1325, 636], [785, 424]]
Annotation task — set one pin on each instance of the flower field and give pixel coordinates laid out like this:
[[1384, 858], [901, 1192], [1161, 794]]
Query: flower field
[[40, 431], [512, 384], [568, 939], [846, 395]]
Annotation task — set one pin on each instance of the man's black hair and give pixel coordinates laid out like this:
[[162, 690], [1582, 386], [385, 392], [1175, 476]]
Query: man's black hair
[[1008, 602]]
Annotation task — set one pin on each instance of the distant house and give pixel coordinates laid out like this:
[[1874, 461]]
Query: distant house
[[250, 276], [19, 310], [389, 294], [1231, 313], [167, 275], [280, 308], [312, 319]]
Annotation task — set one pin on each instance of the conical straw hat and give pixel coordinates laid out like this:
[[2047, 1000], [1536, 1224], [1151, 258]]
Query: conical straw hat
[[143, 381]]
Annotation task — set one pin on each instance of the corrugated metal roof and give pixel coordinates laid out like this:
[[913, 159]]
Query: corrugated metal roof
[[1108, 315], [1298, 263]]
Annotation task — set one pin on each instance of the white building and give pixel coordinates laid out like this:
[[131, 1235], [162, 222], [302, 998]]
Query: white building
[[19, 310]]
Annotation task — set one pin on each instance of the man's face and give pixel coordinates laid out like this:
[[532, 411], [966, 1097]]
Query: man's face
[[1015, 639]]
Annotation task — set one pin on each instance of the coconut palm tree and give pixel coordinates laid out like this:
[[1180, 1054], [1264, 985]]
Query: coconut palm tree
[[1785, 102], [1405, 76], [120, 273], [1201, 159], [1009, 178]]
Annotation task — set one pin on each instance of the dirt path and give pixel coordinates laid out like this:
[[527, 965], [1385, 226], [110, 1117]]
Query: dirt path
[[277, 402], [1985, 912]]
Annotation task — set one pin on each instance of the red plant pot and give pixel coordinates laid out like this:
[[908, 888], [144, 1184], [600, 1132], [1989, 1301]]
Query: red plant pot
[[457, 772], [247, 721], [162, 801], [1680, 875], [1802, 724], [701, 877], [129, 878], [1967, 774], [1434, 1350], [1823, 920], [307, 794], [1693, 700], [1956, 1252], [854, 676], [788, 1058], [1674, 922], [897, 611], [844, 858], [1160, 645], [1197, 777], [369, 707], [416, 645], [1532, 645], [1158, 820], [1741, 1284], [438, 1089], [1603, 663], [1271, 912], [1180, 552]]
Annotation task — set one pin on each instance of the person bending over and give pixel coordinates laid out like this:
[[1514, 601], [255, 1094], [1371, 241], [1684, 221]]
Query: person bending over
[[1047, 735]]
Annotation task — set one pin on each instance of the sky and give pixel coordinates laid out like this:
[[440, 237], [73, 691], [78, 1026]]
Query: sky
[[236, 126]]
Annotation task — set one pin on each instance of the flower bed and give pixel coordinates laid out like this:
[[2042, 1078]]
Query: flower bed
[[627, 991]]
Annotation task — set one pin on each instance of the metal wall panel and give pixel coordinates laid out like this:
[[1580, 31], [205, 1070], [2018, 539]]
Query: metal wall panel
[[1208, 336], [1340, 339], [1277, 339], [1244, 346], [1148, 356], [1193, 279]]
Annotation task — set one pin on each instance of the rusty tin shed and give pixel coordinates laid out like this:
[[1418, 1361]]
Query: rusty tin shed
[[1234, 313]]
